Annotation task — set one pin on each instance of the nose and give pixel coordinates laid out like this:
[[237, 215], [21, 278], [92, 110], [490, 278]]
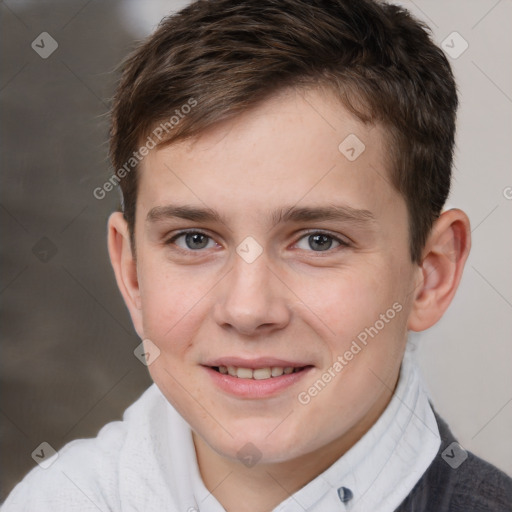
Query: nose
[[252, 299]]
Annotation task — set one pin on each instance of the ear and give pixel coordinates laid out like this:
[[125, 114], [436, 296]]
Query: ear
[[440, 271], [125, 267]]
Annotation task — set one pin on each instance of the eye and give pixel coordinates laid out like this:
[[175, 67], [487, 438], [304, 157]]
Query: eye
[[191, 240], [319, 241]]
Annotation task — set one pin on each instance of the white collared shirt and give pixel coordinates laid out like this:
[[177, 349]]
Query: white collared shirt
[[147, 463]]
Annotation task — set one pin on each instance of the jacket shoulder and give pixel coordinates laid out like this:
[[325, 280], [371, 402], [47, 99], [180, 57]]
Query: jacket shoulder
[[458, 480]]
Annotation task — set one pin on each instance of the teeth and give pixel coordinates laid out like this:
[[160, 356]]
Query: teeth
[[261, 373], [244, 373], [258, 373], [277, 371]]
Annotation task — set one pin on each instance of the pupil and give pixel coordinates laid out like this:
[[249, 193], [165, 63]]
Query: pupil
[[196, 238], [322, 242]]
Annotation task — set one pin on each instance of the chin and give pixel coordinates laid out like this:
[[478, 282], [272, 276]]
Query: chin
[[258, 443]]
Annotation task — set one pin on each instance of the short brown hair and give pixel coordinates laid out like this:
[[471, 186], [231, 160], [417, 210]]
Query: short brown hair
[[230, 55]]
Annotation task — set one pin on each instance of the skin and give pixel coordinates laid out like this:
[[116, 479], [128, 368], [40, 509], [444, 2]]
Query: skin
[[294, 301]]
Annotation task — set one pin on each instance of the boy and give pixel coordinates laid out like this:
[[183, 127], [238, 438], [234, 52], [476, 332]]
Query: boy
[[306, 147]]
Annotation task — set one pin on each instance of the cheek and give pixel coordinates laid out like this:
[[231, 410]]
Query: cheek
[[171, 303], [366, 317], [354, 299]]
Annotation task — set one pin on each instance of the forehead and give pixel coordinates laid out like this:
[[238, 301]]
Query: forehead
[[297, 147]]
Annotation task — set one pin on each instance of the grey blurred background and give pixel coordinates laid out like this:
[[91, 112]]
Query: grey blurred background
[[67, 364]]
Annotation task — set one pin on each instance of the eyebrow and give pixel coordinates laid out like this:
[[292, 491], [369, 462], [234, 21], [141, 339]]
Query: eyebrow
[[281, 215]]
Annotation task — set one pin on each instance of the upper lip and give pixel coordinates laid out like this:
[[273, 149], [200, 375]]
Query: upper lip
[[259, 362]]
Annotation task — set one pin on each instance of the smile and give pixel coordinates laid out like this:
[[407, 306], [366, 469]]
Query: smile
[[257, 378]]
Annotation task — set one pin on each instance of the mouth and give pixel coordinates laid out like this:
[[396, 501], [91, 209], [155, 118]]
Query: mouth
[[256, 378]]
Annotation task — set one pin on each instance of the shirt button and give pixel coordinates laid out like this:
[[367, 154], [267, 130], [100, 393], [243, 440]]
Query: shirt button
[[345, 494]]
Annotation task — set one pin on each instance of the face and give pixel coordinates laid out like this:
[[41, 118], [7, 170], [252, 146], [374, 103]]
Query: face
[[274, 277]]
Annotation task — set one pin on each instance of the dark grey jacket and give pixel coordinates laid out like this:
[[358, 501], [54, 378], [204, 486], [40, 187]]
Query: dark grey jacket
[[454, 483]]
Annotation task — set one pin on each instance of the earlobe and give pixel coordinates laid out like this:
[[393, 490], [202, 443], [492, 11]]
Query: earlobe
[[444, 257], [125, 267]]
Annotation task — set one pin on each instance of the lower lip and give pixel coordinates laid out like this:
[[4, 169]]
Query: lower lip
[[252, 388]]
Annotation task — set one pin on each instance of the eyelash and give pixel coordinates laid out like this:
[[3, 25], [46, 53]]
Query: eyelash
[[343, 243]]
